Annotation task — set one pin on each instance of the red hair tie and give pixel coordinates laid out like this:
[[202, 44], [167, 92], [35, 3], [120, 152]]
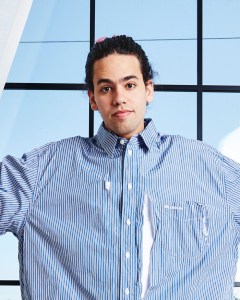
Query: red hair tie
[[101, 39]]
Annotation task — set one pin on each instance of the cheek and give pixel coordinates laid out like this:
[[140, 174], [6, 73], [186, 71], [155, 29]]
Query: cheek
[[144, 105], [104, 111]]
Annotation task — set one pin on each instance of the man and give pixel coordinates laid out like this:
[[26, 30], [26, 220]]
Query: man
[[129, 213]]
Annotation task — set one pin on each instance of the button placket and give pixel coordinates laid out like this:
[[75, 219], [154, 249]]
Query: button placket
[[128, 251]]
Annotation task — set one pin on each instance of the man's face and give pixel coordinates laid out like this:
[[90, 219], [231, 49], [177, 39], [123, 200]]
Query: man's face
[[120, 94]]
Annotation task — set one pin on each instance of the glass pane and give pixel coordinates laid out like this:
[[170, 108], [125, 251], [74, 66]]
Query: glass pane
[[155, 19], [221, 47], [170, 46], [221, 62], [97, 121], [32, 118], [221, 18], [167, 111], [10, 293], [54, 20], [50, 62], [9, 258], [54, 44], [221, 122], [174, 113], [174, 61]]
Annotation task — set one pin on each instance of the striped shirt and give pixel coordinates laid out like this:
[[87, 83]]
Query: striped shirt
[[77, 209]]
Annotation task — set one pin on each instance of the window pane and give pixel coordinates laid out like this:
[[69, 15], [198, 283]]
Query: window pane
[[221, 28], [97, 121], [221, 122], [155, 19], [9, 258], [54, 20], [221, 18], [50, 62], [172, 113], [10, 293], [221, 62], [167, 33], [174, 61], [31, 118], [54, 44]]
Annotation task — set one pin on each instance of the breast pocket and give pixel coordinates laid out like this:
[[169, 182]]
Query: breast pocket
[[183, 228]]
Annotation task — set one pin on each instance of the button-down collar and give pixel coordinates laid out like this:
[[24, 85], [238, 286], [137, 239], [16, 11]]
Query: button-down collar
[[110, 141]]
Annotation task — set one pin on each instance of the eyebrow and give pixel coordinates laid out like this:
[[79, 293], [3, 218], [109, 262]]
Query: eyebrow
[[126, 78]]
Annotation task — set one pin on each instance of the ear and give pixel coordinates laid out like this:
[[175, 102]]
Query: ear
[[149, 90], [92, 100]]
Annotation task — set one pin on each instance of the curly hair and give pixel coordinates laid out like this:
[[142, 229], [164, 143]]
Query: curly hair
[[120, 44]]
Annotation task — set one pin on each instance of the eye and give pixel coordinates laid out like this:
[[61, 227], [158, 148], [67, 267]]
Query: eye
[[106, 89], [131, 85]]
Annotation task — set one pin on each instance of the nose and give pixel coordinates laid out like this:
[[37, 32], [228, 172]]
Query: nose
[[119, 97]]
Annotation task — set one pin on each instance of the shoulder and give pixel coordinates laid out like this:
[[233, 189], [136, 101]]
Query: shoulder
[[65, 149], [190, 149], [66, 144], [188, 144]]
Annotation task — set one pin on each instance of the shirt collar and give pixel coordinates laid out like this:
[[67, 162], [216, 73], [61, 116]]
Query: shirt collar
[[110, 141]]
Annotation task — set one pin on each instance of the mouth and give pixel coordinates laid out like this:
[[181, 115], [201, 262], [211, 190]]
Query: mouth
[[121, 114]]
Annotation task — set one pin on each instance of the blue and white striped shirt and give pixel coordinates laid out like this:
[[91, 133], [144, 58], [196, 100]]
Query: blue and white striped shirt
[[76, 207]]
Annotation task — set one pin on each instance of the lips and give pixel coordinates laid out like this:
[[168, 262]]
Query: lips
[[122, 113]]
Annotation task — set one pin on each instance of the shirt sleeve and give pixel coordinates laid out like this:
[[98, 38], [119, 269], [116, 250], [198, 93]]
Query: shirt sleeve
[[17, 182], [232, 186]]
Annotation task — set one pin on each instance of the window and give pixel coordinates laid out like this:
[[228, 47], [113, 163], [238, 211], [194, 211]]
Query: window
[[197, 86]]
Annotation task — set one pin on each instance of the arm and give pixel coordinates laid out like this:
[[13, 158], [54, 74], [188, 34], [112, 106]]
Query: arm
[[17, 182], [232, 186]]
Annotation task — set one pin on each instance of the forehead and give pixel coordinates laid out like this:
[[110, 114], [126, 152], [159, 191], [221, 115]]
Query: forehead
[[116, 66]]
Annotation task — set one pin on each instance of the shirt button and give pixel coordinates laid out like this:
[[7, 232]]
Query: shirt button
[[127, 254], [128, 222], [122, 142], [129, 186], [129, 152], [127, 291], [107, 185]]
